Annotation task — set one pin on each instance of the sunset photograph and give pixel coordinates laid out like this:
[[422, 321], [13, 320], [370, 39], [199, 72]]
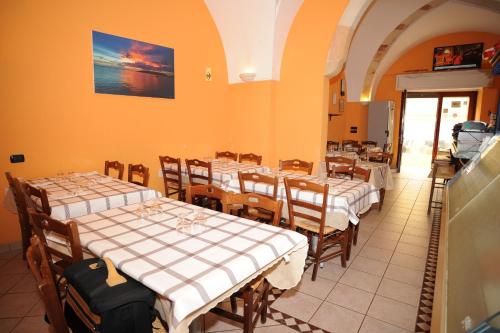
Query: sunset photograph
[[124, 66]]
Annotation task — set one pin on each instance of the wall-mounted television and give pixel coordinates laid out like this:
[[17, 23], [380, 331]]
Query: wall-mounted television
[[467, 56]]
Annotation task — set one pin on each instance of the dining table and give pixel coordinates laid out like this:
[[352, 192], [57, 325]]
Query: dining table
[[83, 193], [192, 257], [346, 198], [222, 170]]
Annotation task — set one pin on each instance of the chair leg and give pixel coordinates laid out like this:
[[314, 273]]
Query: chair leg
[[382, 196], [432, 195], [355, 237], [349, 240], [234, 304], [343, 246], [317, 257], [248, 310], [265, 296]]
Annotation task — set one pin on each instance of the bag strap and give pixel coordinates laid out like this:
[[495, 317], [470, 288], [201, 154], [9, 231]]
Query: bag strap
[[114, 278]]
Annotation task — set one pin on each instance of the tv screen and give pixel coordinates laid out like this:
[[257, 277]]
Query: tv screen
[[465, 56]]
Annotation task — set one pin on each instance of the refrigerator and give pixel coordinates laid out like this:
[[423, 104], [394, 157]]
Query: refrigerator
[[381, 122]]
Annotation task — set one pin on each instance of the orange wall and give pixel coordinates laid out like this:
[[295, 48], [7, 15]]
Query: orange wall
[[50, 113], [420, 58], [355, 114]]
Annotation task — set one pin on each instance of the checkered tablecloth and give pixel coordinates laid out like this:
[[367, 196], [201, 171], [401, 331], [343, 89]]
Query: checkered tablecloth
[[86, 193], [346, 197], [192, 270], [222, 171], [347, 154], [380, 177]]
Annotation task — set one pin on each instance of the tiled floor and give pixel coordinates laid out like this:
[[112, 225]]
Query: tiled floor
[[378, 292]]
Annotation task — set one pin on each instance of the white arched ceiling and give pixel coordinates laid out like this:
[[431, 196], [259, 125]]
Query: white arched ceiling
[[448, 18], [383, 17], [343, 35], [253, 34]]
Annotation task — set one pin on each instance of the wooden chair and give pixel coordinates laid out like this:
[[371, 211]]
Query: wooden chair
[[296, 166], [227, 155], [115, 165], [387, 148], [252, 158], [139, 170], [314, 224], [354, 147], [348, 143], [39, 264], [36, 198], [443, 170], [194, 177], [42, 225], [363, 174], [22, 212], [262, 214], [205, 195], [340, 167], [172, 179], [379, 157], [332, 145], [254, 294], [369, 143]]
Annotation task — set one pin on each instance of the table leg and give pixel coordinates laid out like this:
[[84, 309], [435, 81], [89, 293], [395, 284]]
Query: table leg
[[196, 325]]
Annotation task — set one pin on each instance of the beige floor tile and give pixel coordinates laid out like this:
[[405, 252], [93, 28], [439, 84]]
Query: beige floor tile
[[393, 312], [414, 240], [37, 310], [408, 261], [399, 291], [32, 325], [382, 243], [8, 324], [8, 281], [17, 305], [351, 298], [405, 275], [411, 231], [412, 250], [367, 265], [268, 329], [15, 266], [26, 284], [372, 325], [361, 280], [319, 288], [297, 304], [394, 227], [419, 225], [381, 234], [329, 271], [376, 253], [394, 220], [337, 319], [8, 255]]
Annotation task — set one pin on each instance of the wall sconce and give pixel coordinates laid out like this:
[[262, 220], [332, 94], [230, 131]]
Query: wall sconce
[[248, 76]]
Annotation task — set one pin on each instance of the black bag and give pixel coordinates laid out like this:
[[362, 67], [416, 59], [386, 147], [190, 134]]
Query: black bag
[[94, 304]]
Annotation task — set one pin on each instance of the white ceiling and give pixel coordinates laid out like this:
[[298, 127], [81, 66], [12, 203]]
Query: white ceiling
[[450, 17]]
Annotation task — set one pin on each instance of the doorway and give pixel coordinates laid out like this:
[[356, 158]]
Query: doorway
[[427, 122]]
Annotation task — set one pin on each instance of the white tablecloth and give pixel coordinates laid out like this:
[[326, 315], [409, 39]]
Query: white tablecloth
[[222, 170], [91, 192], [346, 198], [193, 270], [380, 177]]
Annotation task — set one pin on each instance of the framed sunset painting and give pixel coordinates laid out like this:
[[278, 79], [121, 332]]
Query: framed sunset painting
[[125, 66]]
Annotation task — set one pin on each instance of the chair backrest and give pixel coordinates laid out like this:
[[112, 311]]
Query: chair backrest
[[195, 178], [43, 225], [32, 195], [205, 190], [332, 145], [253, 200], [115, 165], [22, 211], [369, 143], [258, 178], [387, 147], [339, 165], [346, 143], [172, 178], [39, 266], [293, 201], [296, 166], [139, 170], [226, 155], [380, 157], [363, 174], [355, 147], [252, 158]]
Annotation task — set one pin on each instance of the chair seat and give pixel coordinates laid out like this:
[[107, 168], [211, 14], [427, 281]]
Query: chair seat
[[445, 172], [312, 226]]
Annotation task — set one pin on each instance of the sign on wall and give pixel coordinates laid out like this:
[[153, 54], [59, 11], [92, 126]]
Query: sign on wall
[[125, 66]]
